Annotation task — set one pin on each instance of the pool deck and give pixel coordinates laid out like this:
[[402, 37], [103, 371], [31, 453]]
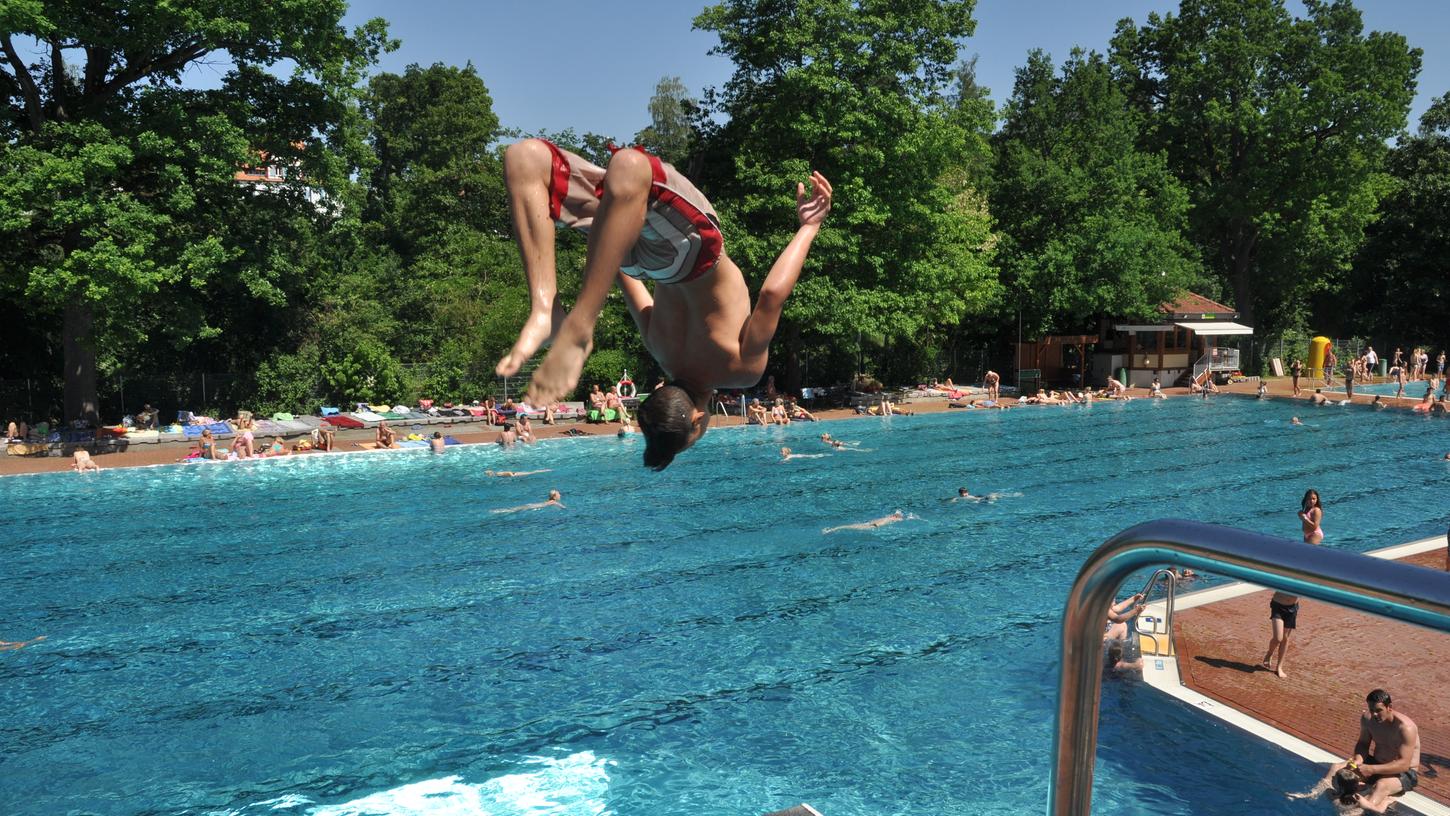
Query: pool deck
[[1221, 635]]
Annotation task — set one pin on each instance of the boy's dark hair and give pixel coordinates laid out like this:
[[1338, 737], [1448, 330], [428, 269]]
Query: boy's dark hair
[[665, 421], [1377, 696], [1346, 784]]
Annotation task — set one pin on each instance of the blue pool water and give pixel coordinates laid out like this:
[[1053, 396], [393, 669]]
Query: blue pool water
[[361, 635], [1414, 390]]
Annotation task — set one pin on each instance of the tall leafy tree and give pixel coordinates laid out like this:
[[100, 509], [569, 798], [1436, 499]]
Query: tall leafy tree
[[1402, 275], [117, 175], [669, 133], [855, 89], [1092, 225], [1278, 126]]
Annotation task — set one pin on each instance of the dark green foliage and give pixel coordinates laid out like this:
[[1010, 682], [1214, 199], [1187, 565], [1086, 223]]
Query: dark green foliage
[[1401, 288], [1278, 127], [1093, 226]]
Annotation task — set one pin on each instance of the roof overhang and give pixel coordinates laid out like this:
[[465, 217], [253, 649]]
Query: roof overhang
[[1150, 327], [1214, 328]]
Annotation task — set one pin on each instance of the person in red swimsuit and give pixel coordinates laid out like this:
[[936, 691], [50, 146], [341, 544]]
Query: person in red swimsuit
[[645, 220]]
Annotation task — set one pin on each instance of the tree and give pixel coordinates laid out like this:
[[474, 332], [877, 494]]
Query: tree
[[1401, 282], [1278, 127], [1092, 226], [669, 134], [855, 90], [433, 132], [115, 172]]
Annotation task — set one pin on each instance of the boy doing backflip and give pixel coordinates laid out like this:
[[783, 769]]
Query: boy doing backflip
[[646, 221]]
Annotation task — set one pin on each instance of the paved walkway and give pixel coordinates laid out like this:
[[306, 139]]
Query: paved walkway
[[1335, 658]]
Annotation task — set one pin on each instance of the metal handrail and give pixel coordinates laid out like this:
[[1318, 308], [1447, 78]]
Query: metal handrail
[[1170, 580], [1374, 585]]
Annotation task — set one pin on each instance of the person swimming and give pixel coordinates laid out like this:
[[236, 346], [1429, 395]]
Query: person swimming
[[786, 455], [872, 524]]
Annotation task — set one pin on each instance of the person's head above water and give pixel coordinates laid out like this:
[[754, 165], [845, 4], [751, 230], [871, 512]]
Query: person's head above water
[[670, 423], [962, 491]]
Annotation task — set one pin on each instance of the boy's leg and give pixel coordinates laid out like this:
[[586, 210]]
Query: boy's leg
[[615, 230], [528, 168]]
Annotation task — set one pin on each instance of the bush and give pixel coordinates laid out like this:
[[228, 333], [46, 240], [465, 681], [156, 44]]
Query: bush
[[287, 382]]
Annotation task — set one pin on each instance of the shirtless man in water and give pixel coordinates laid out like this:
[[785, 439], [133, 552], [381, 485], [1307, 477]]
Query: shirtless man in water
[[1386, 756], [646, 221]]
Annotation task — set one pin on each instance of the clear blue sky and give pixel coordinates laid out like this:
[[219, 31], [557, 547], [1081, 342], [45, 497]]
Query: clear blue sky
[[593, 66]]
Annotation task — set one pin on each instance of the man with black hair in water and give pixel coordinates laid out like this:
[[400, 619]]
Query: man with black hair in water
[[1386, 756], [646, 221]]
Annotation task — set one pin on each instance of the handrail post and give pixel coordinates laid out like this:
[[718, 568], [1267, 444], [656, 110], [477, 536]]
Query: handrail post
[[1377, 586]]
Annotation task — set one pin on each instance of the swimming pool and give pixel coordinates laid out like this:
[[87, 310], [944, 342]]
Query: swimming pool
[[360, 634], [1414, 389]]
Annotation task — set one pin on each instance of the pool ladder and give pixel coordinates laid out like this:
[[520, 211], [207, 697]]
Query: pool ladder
[[1160, 630], [1377, 586]]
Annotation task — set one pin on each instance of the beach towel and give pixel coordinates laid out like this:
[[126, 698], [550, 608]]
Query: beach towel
[[328, 410], [369, 416], [344, 421], [412, 443], [448, 440], [282, 416]]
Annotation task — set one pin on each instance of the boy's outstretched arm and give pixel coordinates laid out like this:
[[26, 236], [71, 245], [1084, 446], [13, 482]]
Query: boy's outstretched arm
[[760, 327]]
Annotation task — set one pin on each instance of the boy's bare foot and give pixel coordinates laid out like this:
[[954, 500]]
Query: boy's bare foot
[[1265, 665], [559, 372], [538, 331], [1280, 671]]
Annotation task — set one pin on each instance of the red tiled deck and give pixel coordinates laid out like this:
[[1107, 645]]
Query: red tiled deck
[[1335, 658]]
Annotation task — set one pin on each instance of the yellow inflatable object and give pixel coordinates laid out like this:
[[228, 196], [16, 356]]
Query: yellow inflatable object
[[1315, 366]]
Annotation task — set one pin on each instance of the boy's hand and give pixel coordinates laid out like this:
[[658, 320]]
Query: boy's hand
[[812, 211]]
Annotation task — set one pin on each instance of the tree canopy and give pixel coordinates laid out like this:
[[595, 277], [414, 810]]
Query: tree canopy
[[1230, 148], [1278, 127], [1093, 224], [118, 173]]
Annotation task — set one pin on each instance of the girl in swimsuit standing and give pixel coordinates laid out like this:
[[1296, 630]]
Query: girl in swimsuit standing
[[1283, 607], [1311, 512]]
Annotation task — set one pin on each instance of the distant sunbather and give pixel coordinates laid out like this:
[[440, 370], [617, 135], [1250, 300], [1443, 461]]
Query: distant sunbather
[[81, 462], [386, 437], [554, 501]]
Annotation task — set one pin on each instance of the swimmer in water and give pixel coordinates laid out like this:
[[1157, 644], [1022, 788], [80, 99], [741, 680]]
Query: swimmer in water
[[786, 455], [872, 524], [1295, 421], [12, 645], [554, 497], [513, 474], [964, 495]]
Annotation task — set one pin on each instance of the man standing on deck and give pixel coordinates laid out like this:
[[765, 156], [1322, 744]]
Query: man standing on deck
[[1371, 361], [1387, 755]]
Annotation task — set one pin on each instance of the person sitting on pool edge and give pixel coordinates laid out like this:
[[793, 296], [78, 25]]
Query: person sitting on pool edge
[[645, 220], [1386, 755]]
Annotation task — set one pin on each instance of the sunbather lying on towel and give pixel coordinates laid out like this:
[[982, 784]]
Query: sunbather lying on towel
[[646, 221]]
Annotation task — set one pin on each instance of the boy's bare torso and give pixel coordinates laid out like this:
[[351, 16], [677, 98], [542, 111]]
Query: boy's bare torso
[[695, 329]]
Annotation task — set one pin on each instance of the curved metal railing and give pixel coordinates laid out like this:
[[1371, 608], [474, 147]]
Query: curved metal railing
[[1378, 586]]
